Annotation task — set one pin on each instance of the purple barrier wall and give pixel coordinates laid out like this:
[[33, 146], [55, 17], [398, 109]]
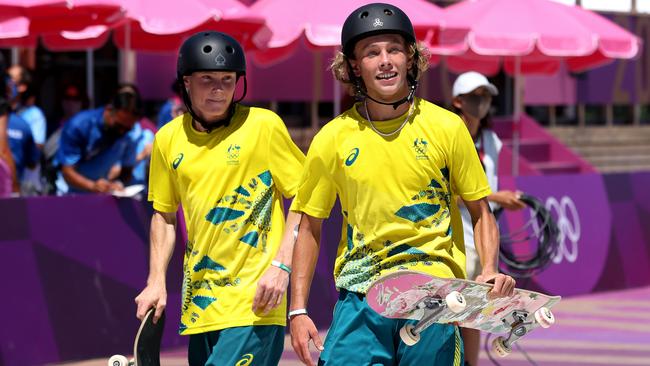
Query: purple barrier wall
[[71, 266]]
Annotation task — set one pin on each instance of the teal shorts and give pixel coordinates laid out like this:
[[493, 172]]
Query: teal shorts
[[239, 346], [361, 337]]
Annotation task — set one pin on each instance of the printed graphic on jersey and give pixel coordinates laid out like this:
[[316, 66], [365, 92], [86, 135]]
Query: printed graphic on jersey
[[203, 301], [437, 200], [250, 205], [208, 264]]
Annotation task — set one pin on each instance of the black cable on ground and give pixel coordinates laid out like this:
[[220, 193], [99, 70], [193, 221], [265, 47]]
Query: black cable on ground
[[541, 228]]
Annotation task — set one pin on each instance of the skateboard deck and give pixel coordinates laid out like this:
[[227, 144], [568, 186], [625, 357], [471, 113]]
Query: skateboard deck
[[428, 299], [146, 347]]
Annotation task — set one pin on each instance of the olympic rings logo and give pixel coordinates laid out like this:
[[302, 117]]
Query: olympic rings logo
[[568, 223]]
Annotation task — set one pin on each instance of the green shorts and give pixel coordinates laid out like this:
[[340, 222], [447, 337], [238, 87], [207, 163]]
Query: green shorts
[[239, 346], [359, 336]]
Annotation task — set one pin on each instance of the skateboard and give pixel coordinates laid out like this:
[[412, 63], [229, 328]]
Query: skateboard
[[146, 348], [428, 299]]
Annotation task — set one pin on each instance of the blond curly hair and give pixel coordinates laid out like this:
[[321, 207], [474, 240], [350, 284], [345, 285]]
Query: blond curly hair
[[340, 65]]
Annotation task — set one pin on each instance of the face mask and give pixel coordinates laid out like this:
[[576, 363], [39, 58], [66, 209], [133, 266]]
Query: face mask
[[476, 106]]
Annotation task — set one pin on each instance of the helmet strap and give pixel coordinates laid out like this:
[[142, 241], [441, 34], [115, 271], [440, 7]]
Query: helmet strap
[[361, 92], [211, 125]]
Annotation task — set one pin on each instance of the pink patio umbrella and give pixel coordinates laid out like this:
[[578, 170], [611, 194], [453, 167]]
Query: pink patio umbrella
[[162, 26], [23, 19], [527, 37], [319, 23], [159, 26]]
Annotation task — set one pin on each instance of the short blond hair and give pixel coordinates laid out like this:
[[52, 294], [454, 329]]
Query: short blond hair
[[340, 65]]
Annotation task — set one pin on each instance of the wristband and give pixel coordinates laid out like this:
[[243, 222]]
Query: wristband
[[281, 265], [297, 312]]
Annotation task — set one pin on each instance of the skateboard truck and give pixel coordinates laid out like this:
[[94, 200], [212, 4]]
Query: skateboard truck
[[454, 301], [520, 325]]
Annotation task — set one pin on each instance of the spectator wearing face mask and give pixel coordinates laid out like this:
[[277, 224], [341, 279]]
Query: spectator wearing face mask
[[93, 141], [473, 94]]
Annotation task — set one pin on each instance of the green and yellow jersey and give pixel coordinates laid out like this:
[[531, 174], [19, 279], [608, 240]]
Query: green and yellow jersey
[[395, 192], [230, 183]]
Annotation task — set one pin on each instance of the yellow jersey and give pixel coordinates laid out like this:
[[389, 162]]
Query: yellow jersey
[[395, 192], [230, 183]]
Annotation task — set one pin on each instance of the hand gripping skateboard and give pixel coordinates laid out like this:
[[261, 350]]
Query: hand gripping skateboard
[[146, 348], [428, 299]]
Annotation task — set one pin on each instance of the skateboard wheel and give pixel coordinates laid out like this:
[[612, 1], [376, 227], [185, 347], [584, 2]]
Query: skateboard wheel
[[500, 348], [544, 317], [455, 301], [407, 335], [118, 360]]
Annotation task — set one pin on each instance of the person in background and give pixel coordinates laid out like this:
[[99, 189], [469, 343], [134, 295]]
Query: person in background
[[173, 106], [24, 105], [71, 103], [7, 165], [93, 141], [472, 98]]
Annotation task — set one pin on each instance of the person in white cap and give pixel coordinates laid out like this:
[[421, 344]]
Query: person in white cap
[[473, 94]]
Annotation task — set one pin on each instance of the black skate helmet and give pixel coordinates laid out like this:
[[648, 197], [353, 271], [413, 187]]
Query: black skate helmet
[[373, 19], [210, 51], [370, 20]]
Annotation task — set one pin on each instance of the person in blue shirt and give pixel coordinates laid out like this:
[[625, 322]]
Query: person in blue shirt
[[93, 141], [24, 103], [172, 108], [21, 143]]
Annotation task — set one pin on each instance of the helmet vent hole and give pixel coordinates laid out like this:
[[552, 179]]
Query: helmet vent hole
[[363, 15], [229, 49], [388, 12], [207, 49]]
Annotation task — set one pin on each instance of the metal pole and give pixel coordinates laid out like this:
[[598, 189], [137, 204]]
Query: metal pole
[[15, 56], [90, 77], [337, 96], [516, 118], [127, 59], [316, 90]]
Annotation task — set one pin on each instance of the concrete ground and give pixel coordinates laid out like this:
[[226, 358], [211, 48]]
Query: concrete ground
[[602, 329]]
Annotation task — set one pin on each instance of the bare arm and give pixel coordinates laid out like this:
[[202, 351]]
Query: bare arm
[[305, 257], [5, 151], [162, 241], [273, 284], [486, 240], [77, 180]]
